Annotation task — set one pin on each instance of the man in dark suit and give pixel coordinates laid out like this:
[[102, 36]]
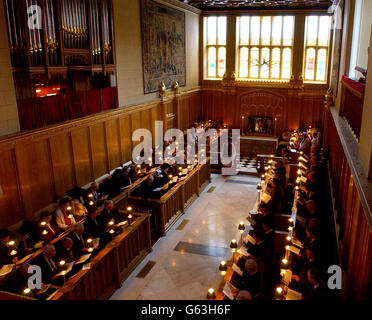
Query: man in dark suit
[[257, 250], [66, 251], [251, 279], [92, 229], [77, 239], [319, 290], [5, 256], [300, 281], [162, 178], [107, 214], [145, 190], [125, 179], [91, 195], [312, 239], [47, 264]]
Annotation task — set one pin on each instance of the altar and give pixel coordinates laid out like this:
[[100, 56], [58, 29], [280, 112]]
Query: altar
[[252, 145]]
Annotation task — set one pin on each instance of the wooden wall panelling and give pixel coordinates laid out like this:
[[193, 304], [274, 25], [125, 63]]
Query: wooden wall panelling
[[62, 162], [98, 149], [36, 176], [156, 115], [135, 119], [113, 143], [146, 119], [355, 236], [299, 107], [50, 161], [10, 201], [126, 138], [81, 155]]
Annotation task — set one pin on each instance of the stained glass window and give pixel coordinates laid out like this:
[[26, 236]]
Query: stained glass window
[[265, 47], [317, 35], [215, 46]]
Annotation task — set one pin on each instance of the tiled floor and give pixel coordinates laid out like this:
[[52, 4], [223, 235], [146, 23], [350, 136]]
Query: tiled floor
[[187, 260]]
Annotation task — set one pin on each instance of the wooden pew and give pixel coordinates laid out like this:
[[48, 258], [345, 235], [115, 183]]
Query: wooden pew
[[175, 202], [111, 266]]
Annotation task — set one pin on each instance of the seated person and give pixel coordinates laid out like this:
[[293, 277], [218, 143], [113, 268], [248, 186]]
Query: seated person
[[19, 282], [319, 290], [47, 228], [312, 239], [92, 229], [47, 264], [305, 143], [66, 251], [251, 279], [109, 214], [64, 217], [257, 250], [299, 279], [278, 196], [106, 214], [125, 179], [162, 177], [145, 190], [27, 236], [315, 142], [91, 194], [5, 256], [264, 211], [77, 239]]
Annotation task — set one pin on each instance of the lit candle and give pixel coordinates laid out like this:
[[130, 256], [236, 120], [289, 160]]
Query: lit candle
[[27, 291], [233, 245], [211, 294], [279, 293], [90, 244], [241, 227], [223, 268]]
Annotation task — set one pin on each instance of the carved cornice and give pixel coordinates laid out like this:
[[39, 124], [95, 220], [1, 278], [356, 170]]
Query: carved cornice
[[183, 5]]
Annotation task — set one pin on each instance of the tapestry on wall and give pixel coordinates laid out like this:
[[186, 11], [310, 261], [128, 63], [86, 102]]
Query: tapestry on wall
[[163, 46]]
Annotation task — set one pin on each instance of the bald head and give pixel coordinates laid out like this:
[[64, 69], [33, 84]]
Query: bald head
[[244, 295], [109, 204], [49, 251], [310, 206], [78, 228], [67, 242], [251, 266]]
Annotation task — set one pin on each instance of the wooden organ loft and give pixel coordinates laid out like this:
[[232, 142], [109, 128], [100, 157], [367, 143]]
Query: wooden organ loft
[[65, 42]]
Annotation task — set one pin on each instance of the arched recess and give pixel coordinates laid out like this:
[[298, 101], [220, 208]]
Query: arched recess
[[264, 103]]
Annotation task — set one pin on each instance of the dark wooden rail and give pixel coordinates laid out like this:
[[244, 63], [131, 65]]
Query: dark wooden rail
[[352, 99], [175, 202]]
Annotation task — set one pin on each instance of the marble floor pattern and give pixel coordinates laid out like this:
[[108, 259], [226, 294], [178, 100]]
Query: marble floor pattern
[[213, 221]]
